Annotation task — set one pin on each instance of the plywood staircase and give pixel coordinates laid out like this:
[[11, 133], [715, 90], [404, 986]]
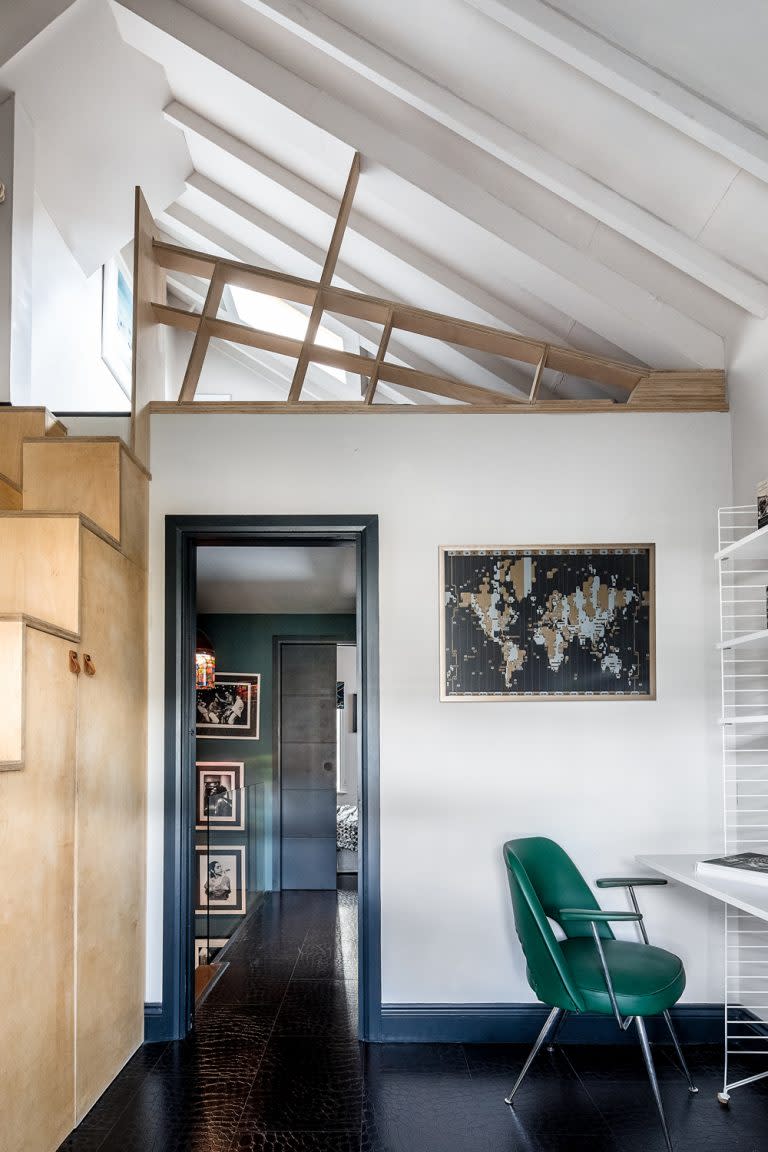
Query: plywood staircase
[[73, 520]]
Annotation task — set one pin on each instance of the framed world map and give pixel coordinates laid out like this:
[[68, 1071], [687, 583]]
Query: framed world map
[[541, 623]]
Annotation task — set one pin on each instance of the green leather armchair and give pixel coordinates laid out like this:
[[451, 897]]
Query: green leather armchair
[[590, 970]]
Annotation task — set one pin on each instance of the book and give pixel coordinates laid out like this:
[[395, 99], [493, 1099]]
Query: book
[[748, 866]]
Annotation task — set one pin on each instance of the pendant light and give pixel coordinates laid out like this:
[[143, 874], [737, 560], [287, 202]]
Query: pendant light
[[205, 661]]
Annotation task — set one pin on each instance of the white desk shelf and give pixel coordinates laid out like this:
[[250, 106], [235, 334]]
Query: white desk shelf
[[747, 638], [758, 718], [754, 545], [747, 897]]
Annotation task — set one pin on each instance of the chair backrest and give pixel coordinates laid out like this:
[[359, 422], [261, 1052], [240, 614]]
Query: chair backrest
[[543, 879]]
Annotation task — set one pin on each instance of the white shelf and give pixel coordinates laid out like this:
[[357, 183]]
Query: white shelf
[[761, 719], [756, 544], [747, 638], [745, 895]]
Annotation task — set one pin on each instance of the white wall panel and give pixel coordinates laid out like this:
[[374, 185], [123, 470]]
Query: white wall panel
[[606, 779]]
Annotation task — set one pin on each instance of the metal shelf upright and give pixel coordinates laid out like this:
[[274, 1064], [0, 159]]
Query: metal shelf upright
[[742, 560]]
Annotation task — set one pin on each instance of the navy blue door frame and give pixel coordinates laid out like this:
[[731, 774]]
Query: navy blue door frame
[[172, 1019]]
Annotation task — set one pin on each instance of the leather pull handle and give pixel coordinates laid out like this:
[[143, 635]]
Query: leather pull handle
[[74, 662], [89, 666]]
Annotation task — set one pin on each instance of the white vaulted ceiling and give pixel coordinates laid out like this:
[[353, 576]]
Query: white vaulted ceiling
[[592, 174]]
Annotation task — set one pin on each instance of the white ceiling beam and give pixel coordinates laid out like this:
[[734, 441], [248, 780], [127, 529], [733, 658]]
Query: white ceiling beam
[[573, 281], [517, 151], [665, 98], [23, 23], [466, 290], [184, 225]]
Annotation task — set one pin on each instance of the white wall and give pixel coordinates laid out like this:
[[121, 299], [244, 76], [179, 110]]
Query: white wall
[[17, 162], [608, 780], [68, 373], [748, 397], [346, 670]]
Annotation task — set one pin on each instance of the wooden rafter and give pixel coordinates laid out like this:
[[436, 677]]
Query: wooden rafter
[[537, 375], [643, 389], [603, 371], [202, 337], [326, 276], [380, 354]]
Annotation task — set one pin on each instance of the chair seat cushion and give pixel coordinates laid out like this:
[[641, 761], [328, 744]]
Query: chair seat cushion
[[646, 980]]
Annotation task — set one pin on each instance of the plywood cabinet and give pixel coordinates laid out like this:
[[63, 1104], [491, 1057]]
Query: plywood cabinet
[[72, 785], [37, 842], [110, 820]]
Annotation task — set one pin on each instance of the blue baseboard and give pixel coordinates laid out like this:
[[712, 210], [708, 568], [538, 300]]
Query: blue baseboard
[[505, 1024], [156, 1026], [521, 1024]]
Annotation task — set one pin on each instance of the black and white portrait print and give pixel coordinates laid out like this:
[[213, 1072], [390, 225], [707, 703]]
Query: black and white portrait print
[[220, 880], [220, 796], [230, 709]]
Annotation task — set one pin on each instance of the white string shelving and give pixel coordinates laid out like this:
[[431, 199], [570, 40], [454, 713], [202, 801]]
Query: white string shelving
[[742, 561]]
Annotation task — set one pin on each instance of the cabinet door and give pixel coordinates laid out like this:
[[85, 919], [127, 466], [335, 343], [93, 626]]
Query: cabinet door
[[37, 822], [308, 764], [111, 781]]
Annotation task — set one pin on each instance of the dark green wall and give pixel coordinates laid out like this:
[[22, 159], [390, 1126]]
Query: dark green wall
[[244, 643]]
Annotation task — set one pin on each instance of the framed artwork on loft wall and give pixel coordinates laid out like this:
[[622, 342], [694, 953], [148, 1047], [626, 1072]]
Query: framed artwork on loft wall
[[219, 794], [229, 710], [220, 880], [554, 622], [117, 321]]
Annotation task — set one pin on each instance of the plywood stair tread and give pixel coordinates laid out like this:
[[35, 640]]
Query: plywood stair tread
[[42, 574], [97, 476], [16, 424], [75, 440], [85, 521]]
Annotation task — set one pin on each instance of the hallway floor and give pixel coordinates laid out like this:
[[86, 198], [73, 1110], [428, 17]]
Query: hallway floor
[[274, 1066]]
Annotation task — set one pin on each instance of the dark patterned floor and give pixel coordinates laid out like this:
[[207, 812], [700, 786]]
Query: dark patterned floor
[[274, 1066]]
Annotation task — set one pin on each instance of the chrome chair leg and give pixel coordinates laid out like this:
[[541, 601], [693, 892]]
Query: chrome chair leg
[[643, 1037], [556, 1031], [691, 1086], [553, 1016]]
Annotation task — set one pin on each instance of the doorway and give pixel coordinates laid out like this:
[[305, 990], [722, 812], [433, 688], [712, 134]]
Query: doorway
[[184, 535]]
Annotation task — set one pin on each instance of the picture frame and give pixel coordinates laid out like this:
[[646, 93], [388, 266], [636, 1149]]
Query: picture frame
[[219, 795], [229, 710], [547, 622], [117, 321], [208, 948], [220, 881]]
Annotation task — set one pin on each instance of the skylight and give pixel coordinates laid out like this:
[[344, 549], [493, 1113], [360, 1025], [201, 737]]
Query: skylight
[[270, 314]]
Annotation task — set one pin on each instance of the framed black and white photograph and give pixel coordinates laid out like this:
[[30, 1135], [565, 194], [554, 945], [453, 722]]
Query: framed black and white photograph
[[563, 622], [220, 795], [207, 949], [220, 880], [229, 710]]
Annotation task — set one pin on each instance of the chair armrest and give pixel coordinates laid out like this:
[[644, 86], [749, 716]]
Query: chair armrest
[[595, 915], [629, 881]]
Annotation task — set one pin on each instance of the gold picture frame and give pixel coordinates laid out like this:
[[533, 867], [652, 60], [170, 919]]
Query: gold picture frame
[[485, 619]]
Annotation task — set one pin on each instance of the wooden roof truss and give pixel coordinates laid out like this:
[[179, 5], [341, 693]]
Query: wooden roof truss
[[640, 388]]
